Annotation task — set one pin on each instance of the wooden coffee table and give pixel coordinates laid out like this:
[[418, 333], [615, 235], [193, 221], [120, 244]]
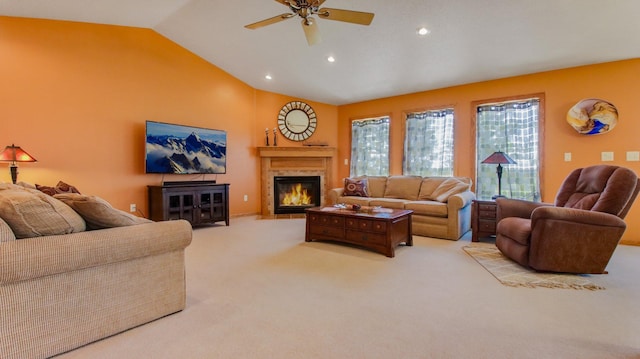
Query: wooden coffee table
[[381, 230]]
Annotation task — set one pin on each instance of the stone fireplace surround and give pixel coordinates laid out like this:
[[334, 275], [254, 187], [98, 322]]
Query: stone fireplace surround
[[294, 161]]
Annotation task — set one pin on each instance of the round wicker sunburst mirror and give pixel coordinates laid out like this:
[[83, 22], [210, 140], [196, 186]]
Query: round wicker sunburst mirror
[[297, 121]]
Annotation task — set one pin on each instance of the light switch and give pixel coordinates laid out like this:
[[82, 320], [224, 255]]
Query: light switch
[[633, 156], [346, 161], [567, 156], [607, 156]]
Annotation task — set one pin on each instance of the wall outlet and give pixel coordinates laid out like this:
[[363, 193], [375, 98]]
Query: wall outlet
[[567, 156], [246, 198], [346, 161], [633, 156], [132, 207]]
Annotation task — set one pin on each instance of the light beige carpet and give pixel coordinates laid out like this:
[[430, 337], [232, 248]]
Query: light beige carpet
[[257, 290], [512, 274]]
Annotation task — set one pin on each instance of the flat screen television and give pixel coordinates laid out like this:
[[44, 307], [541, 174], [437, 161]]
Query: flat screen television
[[179, 149]]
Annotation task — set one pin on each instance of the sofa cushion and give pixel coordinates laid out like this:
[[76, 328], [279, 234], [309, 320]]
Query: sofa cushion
[[377, 185], [404, 187], [98, 213], [355, 187], [448, 188], [429, 208], [6, 234], [31, 213], [363, 201], [397, 203]]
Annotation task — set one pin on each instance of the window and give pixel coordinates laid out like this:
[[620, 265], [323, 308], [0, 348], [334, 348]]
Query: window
[[370, 147], [428, 143], [510, 127]]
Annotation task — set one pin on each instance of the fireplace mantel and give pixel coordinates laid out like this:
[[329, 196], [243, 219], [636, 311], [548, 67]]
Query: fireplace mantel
[[293, 161], [306, 151]]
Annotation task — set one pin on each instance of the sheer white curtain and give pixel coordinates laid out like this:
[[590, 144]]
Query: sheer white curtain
[[428, 143], [510, 127], [370, 147]]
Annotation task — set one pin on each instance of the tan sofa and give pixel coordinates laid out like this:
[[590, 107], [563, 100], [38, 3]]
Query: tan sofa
[[63, 291], [436, 213]]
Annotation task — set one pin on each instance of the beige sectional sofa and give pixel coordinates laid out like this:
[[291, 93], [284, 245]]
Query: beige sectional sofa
[[441, 205], [61, 291]]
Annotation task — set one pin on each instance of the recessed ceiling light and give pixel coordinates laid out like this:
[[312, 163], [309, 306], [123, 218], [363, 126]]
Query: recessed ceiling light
[[331, 59], [268, 77], [422, 31]]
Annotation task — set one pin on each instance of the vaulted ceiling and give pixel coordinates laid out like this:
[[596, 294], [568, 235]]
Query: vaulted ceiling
[[469, 40]]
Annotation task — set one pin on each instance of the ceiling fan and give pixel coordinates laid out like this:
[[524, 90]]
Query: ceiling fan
[[306, 8]]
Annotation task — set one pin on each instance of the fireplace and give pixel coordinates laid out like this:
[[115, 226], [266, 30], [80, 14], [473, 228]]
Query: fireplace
[[294, 161], [292, 194]]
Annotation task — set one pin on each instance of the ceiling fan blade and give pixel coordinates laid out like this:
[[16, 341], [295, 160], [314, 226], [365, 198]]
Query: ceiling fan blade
[[355, 17], [311, 31], [269, 21]]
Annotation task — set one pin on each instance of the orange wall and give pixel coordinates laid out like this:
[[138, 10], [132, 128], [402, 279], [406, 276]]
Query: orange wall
[[615, 82], [76, 96]]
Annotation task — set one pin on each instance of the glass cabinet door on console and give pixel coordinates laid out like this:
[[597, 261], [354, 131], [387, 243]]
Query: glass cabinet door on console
[[181, 206], [212, 205], [198, 203]]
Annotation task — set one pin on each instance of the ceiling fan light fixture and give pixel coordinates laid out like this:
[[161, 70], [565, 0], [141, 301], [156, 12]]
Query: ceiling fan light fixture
[[306, 8]]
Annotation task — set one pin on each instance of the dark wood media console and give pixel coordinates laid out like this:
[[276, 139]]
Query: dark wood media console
[[197, 202]]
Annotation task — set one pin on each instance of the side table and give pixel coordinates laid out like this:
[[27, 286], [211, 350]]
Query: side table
[[483, 219]]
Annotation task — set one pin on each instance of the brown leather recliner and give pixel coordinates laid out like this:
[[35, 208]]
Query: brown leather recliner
[[577, 234]]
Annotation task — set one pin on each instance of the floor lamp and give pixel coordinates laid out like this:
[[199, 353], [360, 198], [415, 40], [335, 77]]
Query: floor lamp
[[15, 154], [500, 158]]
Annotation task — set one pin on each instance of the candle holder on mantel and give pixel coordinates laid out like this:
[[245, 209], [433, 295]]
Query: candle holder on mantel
[[266, 132], [275, 137]]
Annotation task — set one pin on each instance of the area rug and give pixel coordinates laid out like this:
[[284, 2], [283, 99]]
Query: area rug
[[512, 274]]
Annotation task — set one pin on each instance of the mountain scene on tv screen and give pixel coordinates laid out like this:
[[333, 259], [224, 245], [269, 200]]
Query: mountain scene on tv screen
[[191, 154]]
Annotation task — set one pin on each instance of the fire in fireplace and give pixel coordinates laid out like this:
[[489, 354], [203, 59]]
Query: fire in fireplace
[[292, 194]]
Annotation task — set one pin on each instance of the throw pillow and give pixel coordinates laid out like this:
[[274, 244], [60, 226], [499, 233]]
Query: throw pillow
[[26, 185], [61, 187], [429, 184], [31, 213], [448, 188], [98, 213], [355, 187], [46, 189]]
